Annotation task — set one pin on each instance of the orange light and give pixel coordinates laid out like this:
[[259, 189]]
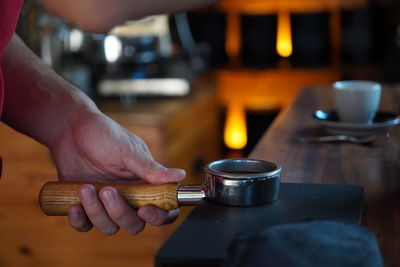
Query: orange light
[[235, 135], [284, 37]]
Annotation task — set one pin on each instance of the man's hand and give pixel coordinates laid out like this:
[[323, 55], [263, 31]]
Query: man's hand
[[86, 144], [97, 149]]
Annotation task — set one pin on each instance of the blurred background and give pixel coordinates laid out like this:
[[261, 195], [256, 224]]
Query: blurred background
[[196, 86]]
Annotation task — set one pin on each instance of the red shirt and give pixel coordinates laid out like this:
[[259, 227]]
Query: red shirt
[[9, 12]]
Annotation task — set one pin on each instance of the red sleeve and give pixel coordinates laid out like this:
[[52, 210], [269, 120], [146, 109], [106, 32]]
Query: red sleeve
[[1, 95], [9, 12]]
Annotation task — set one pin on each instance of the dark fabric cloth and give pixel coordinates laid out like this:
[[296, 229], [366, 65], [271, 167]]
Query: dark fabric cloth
[[306, 244]]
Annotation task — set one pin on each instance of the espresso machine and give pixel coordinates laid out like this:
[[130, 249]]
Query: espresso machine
[[152, 57], [138, 59]]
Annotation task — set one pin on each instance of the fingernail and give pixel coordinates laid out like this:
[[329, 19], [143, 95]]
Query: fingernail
[[180, 171], [148, 216], [87, 194], [110, 196]]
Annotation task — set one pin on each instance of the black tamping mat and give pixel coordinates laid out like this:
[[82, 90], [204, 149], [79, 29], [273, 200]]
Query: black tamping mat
[[203, 237]]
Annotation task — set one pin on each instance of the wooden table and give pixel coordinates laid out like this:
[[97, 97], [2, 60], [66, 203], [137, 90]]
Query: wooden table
[[376, 167]]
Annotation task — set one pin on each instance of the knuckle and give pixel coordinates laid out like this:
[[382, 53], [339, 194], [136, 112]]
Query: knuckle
[[84, 228], [109, 230], [161, 218], [149, 164], [136, 228], [80, 225], [160, 222], [117, 214]]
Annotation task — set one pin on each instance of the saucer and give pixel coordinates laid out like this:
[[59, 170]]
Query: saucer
[[381, 123]]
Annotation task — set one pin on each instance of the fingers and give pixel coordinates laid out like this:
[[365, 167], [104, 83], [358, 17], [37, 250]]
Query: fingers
[[120, 212], [153, 172], [163, 175], [78, 219], [156, 216], [95, 210], [108, 212]]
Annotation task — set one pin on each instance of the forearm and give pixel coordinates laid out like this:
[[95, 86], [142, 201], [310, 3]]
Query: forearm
[[102, 15], [38, 102]]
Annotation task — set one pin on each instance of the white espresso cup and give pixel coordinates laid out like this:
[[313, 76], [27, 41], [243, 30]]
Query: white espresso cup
[[356, 101]]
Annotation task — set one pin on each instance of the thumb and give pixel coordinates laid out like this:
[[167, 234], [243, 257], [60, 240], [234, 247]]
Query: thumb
[[153, 172]]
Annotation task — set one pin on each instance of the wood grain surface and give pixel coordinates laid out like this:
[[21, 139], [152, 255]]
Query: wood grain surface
[[375, 167], [56, 197]]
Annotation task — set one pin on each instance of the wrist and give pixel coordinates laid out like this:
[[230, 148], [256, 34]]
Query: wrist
[[73, 117]]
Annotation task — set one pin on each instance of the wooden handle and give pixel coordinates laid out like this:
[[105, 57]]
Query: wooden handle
[[56, 197]]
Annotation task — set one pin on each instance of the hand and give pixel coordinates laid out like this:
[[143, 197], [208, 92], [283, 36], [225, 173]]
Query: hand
[[85, 144], [95, 148]]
